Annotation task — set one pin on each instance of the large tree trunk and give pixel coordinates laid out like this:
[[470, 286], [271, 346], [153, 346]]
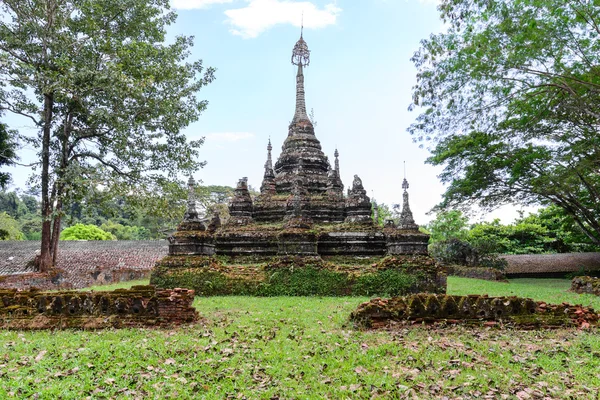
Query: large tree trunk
[[45, 260]]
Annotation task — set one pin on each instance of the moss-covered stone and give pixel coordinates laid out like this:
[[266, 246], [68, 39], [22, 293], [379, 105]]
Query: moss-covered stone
[[586, 284], [135, 307], [472, 309], [298, 276]]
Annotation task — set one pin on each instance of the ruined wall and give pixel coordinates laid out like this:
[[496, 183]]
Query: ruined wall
[[586, 284], [140, 306], [300, 276], [473, 309], [75, 279], [80, 263]]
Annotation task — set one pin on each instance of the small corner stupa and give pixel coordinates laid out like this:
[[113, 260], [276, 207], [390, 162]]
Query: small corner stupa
[[302, 208]]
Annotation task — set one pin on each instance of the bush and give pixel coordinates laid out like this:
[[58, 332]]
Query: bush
[[460, 252], [85, 232]]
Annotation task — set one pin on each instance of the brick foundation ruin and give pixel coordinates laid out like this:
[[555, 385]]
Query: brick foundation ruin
[[586, 284], [140, 306], [471, 310], [302, 276]]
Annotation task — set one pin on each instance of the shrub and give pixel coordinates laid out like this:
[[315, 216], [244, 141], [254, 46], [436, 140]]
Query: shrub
[[460, 252], [85, 232]]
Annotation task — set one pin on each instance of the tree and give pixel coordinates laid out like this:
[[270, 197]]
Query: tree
[[510, 96], [7, 153], [124, 232], [446, 225], [384, 213], [9, 228], [109, 97], [85, 232], [11, 204]]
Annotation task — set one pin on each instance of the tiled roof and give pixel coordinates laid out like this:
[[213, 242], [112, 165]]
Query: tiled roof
[[551, 263], [16, 256]]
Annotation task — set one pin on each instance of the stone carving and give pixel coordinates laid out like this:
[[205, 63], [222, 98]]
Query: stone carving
[[240, 206], [358, 204], [194, 218]]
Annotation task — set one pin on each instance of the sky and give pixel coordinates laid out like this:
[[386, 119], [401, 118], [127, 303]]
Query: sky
[[358, 85]]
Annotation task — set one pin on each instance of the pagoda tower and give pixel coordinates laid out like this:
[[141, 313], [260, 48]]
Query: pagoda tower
[[301, 160]]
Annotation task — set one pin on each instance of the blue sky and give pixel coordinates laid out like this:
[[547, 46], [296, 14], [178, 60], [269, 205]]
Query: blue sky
[[358, 84]]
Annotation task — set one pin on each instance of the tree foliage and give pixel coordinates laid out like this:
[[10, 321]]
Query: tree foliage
[[85, 232], [9, 228], [8, 154], [509, 96], [451, 224], [109, 97]]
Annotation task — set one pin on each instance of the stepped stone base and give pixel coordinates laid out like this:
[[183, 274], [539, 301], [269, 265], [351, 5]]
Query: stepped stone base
[[300, 237], [301, 275]]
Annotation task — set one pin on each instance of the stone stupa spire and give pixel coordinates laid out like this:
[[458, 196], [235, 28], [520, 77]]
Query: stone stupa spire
[[301, 155], [192, 214], [407, 221], [301, 58], [268, 183]]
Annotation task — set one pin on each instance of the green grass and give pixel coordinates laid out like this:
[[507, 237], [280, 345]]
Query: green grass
[[554, 291], [303, 348], [120, 285]]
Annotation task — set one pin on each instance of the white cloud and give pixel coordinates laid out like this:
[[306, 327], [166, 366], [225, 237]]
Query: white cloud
[[228, 136], [192, 4], [260, 15]]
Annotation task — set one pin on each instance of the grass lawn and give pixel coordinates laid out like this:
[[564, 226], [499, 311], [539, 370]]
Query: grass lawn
[[304, 348]]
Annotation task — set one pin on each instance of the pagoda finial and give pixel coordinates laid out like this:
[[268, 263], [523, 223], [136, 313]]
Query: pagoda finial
[[268, 184], [269, 160], [301, 58], [336, 154], [406, 217], [192, 213]]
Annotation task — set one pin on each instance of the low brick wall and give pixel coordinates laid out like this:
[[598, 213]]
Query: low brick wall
[[301, 276], [586, 284], [80, 263], [474, 309], [140, 306], [61, 279]]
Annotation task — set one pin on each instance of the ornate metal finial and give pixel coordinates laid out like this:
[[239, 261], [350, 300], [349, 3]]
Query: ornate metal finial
[[405, 184], [301, 53]]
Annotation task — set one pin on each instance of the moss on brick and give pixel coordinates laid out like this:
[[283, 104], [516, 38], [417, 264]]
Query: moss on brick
[[473, 309], [300, 276]]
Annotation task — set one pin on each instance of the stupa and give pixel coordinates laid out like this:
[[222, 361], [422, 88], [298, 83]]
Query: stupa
[[302, 208]]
